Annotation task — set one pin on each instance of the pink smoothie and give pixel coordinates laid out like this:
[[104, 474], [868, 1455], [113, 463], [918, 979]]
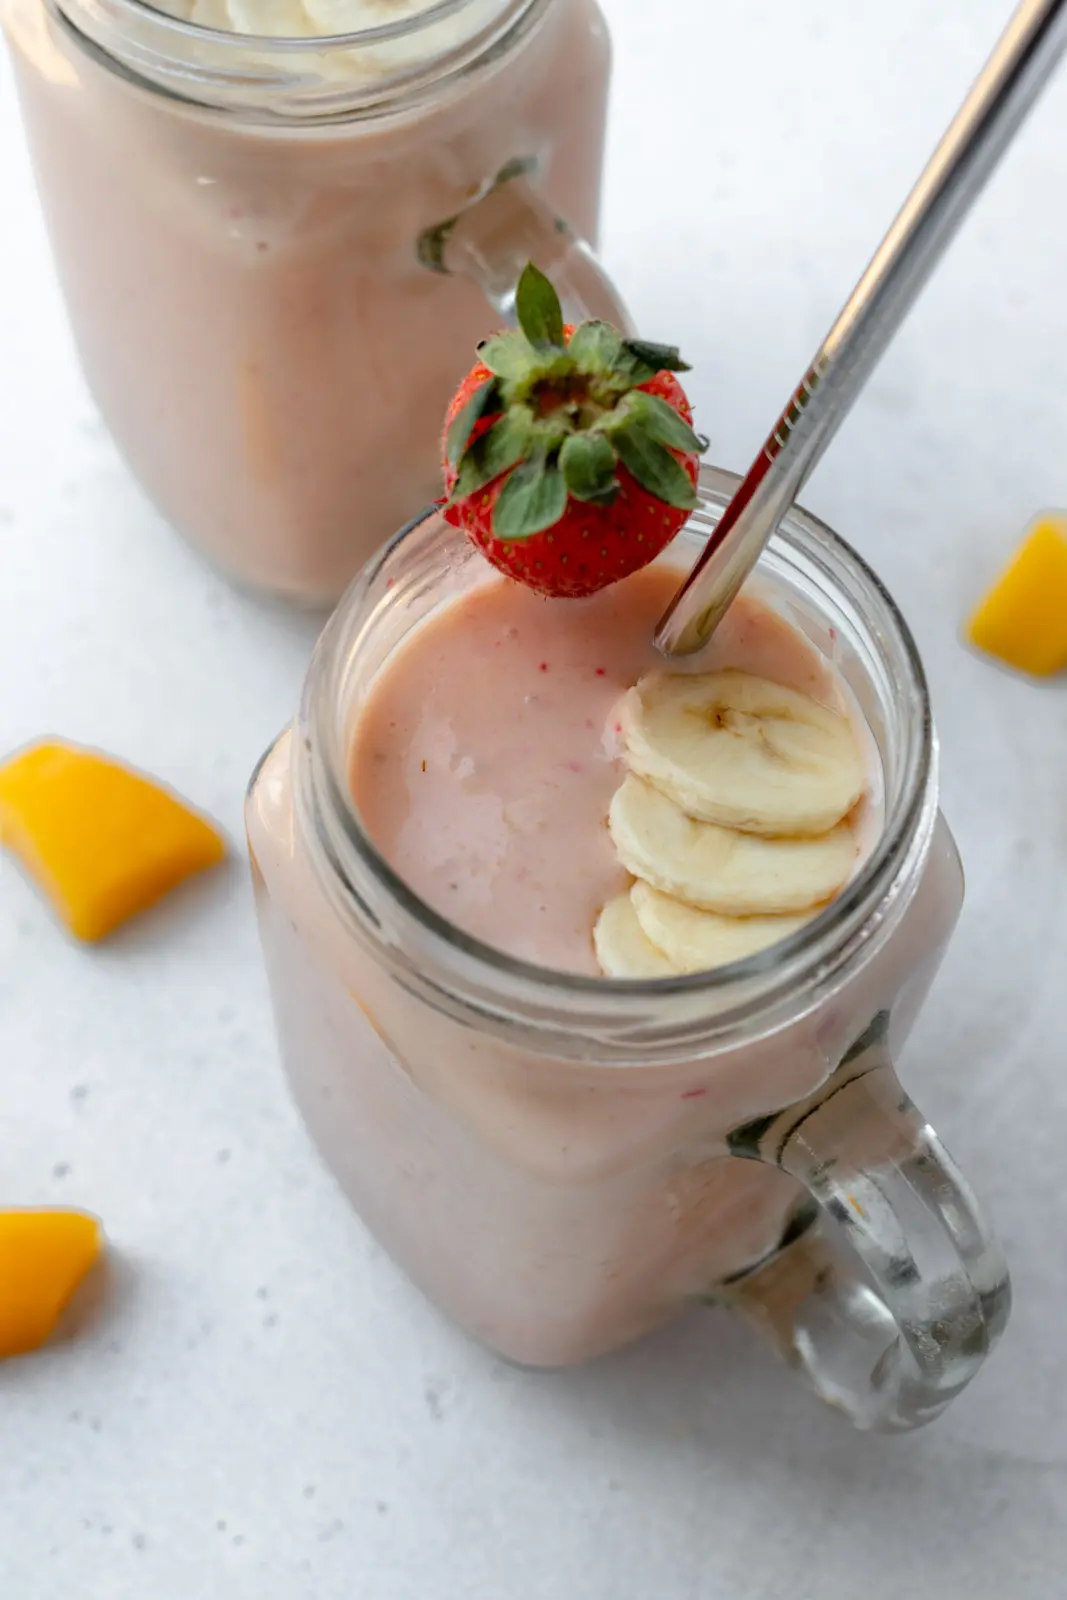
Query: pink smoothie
[[486, 756]]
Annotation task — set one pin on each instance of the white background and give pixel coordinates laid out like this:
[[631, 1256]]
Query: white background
[[267, 1409]]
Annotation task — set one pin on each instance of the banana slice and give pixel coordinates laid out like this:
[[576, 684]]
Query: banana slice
[[745, 753], [719, 869], [621, 947], [697, 941]]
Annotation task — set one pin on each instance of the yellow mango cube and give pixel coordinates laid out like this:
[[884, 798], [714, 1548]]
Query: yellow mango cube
[[101, 841], [44, 1257], [1023, 618]]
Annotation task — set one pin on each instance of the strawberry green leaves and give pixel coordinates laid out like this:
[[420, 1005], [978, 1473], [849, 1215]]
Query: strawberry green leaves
[[655, 468], [533, 499], [596, 347], [656, 357], [509, 356], [661, 422], [521, 366], [642, 431], [537, 308], [485, 399], [508, 440], [588, 463]]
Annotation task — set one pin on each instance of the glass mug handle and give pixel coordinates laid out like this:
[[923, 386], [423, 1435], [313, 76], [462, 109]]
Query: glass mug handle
[[890, 1330], [508, 224]]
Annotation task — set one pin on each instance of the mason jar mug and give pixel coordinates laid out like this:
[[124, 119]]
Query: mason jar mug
[[562, 1162], [278, 253]]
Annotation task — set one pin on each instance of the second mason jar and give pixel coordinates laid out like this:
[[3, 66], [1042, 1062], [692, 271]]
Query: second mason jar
[[278, 253]]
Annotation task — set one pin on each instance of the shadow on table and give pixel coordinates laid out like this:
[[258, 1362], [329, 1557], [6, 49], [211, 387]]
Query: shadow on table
[[707, 1391]]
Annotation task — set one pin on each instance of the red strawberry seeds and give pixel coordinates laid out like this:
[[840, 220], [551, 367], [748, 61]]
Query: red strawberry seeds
[[568, 456]]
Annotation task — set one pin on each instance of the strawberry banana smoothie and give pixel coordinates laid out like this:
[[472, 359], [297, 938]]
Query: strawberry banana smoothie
[[493, 751], [276, 263]]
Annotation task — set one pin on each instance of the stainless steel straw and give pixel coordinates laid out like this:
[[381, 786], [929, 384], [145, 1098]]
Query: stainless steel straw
[[985, 125]]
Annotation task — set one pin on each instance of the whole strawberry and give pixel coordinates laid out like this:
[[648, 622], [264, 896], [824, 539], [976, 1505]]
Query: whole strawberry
[[568, 455]]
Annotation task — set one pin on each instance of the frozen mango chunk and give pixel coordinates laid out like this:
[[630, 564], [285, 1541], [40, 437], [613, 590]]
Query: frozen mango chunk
[[44, 1256], [101, 841], [1023, 618]]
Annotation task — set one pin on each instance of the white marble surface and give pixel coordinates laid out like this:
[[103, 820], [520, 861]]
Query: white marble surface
[[269, 1410]]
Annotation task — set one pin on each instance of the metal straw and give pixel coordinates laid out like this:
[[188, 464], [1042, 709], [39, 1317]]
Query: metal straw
[[983, 128]]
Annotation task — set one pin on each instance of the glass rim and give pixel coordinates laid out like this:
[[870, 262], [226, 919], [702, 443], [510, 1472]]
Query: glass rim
[[270, 43], [776, 972], [284, 82]]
